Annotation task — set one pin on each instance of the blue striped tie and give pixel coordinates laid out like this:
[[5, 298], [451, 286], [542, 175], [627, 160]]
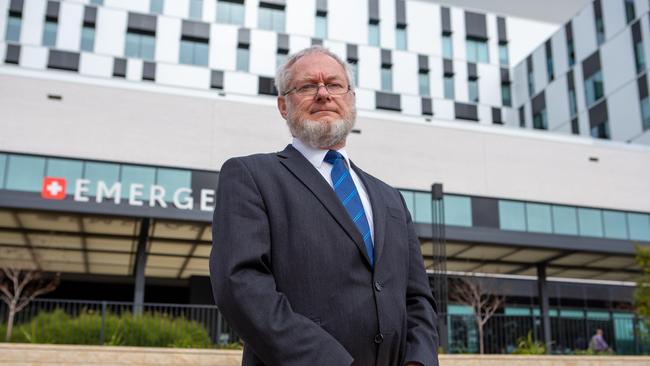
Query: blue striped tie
[[347, 192]]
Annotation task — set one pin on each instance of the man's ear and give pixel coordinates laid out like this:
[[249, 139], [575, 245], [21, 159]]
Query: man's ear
[[282, 106]]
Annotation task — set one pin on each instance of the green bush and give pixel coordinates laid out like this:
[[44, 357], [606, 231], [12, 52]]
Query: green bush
[[126, 329], [527, 346]]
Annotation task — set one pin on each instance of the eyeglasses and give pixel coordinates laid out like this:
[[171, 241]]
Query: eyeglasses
[[312, 89]]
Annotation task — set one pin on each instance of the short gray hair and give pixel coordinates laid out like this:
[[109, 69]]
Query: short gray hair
[[283, 75]]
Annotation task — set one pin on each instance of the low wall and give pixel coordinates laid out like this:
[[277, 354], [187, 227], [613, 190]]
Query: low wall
[[12, 354]]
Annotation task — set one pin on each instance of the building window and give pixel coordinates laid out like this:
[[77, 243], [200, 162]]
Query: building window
[[594, 89], [571, 52], [196, 9], [13, 28], [49, 33], [243, 58], [630, 13], [194, 52], [321, 25], [400, 37], [575, 126], [447, 47], [140, 45], [477, 51], [230, 12], [550, 69], [88, 38], [354, 65], [540, 120], [600, 24], [504, 58], [531, 83], [601, 131], [386, 78], [645, 113], [472, 85], [506, 96], [281, 57], [522, 117], [423, 82], [639, 57], [271, 17], [97, 2], [156, 6], [573, 103], [449, 86], [373, 33]]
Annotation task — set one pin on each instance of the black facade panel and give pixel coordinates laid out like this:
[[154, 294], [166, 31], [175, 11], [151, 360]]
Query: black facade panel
[[466, 111], [352, 51], [570, 80], [119, 67], [548, 48], [475, 25], [575, 127], [472, 72], [388, 101], [522, 117], [445, 19], [16, 7], [598, 114], [244, 37], [52, 10], [266, 86], [216, 79], [142, 23], [568, 31], [591, 65], [400, 12], [642, 85], [529, 63], [598, 9], [90, 15], [386, 58], [539, 102], [427, 107], [501, 30], [321, 6], [273, 4], [636, 32], [196, 30], [13, 54], [316, 42], [485, 212], [505, 76], [448, 67], [496, 116], [149, 71], [423, 63], [63, 60], [283, 43], [373, 10]]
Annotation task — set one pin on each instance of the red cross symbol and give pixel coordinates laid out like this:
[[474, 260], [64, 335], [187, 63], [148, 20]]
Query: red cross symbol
[[53, 188]]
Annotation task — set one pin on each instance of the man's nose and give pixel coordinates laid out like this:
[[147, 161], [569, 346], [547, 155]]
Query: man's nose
[[322, 93]]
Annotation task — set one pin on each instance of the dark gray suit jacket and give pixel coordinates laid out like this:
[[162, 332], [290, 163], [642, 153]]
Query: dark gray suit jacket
[[291, 275]]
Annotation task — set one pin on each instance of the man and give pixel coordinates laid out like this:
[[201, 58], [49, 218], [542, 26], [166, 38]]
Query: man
[[597, 343], [315, 262]]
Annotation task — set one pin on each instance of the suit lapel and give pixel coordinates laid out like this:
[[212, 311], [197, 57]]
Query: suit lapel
[[378, 211], [300, 167]]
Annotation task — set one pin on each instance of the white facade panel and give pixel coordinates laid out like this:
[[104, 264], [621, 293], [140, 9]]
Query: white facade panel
[[340, 28], [240, 83], [424, 30], [489, 84], [95, 65], [223, 46], [110, 32], [263, 50], [584, 33], [369, 68], [70, 21], [641, 6], [3, 20], [617, 62], [443, 109], [297, 43], [183, 75], [168, 39], [387, 23], [580, 89], [557, 104], [645, 35], [540, 74], [460, 81], [493, 39], [33, 57], [250, 13], [339, 48], [405, 73], [624, 113], [33, 19], [138, 6], [209, 14], [134, 69], [365, 99], [519, 85], [301, 17], [560, 53], [411, 105], [484, 114], [458, 33], [613, 17], [177, 8], [435, 77]]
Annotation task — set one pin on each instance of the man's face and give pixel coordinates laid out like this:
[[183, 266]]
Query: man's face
[[322, 120]]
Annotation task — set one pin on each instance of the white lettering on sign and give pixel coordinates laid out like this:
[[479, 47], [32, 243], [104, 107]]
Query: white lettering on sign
[[104, 192], [187, 203], [81, 187], [135, 191], [207, 196]]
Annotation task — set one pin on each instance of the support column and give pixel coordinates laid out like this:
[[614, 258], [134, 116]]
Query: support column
[[140, 264], [439, 283], [542, 287]]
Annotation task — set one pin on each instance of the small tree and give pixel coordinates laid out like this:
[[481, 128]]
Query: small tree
[[642, 292], [19, 287], [472, 292]]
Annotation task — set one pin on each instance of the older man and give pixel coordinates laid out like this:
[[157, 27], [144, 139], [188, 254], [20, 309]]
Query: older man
[[314, 261]]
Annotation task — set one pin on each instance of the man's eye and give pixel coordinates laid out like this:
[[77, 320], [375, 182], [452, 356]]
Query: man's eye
[[307, 88]]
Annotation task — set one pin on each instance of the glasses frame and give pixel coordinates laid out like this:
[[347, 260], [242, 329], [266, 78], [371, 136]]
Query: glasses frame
[[319, 85]]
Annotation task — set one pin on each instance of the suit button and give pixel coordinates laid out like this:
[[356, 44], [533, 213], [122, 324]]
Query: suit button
[[378, 286], [379, 338]]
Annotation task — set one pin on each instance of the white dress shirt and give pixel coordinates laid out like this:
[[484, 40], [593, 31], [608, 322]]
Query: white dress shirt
[[317, 158]]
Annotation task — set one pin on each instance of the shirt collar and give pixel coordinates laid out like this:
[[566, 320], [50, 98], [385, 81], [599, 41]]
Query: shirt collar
[[315, 156]]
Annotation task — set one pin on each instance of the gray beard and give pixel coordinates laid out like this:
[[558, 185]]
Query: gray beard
[[319, 134]]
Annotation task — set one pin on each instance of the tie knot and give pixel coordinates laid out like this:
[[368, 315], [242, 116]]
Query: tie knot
[[332, 156]]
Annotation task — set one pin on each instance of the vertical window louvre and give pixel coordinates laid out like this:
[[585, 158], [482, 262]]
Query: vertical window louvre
[[531, 83], [600, 24], [630, 12]]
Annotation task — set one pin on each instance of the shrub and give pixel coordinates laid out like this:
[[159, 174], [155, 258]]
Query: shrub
[[527, 346]]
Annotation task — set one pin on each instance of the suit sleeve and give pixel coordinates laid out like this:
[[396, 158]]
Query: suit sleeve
[[243, 284], [422, 329]]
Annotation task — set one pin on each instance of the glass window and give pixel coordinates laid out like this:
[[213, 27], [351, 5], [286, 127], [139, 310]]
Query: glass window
[[639, 57], [13, 29], [590, 222], [447, 47], [630, 12], [25, 173], [572, 53], [140, 45], [156, 6], [408, 199], [355, 71], [639, 225], [71, 170], [106, 172], [506, 96], [196, 9], [550, 70], [423, 83], [503, 54], [194, 52], [173, 179], [400, 38], [373, 34], [87, 38], [531, 83], [477, 51], [49, 33], [600, 30], [271, 18], [3, 167], [645, 113], [243, 57], [512, 215], [565, 220], [449, 87], [386, 78], [538, 217], [573, 104], [97, 2], [600, 131], [280, 59], [594, 89], [458, 210], [321, 26], [615, 224], [472, 85], [139, 175], [230, 12], [423, 207], [540, 120]]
